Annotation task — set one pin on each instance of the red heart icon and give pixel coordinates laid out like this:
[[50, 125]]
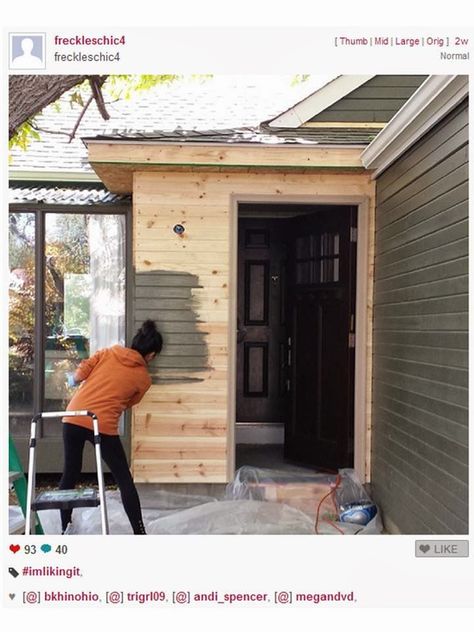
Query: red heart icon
[[14, 548]]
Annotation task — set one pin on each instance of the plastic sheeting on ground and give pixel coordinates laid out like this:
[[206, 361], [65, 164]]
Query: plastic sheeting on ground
[[257, 501], [235, 517], [317, 495]]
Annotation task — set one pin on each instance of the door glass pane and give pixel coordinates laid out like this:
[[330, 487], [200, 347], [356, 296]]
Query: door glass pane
[[21, 294], [329, 259], [84, 295]]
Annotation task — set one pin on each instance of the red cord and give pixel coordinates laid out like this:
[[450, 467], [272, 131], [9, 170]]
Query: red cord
[[332, 492]]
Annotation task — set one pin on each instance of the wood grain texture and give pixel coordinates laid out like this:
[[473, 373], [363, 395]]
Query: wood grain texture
[[265, 155], [181, 428]]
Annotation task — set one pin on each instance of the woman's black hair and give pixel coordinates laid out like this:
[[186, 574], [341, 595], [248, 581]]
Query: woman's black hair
[[147, 339]]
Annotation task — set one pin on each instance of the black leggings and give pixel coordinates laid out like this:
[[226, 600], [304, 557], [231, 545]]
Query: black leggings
[[113, 454]]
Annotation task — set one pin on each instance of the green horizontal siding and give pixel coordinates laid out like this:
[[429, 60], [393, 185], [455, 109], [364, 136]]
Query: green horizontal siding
[[166, 297], [420, 384], [377, 101]]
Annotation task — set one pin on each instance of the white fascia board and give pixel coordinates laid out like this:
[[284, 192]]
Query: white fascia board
[[29, 175], [320, 100], [436, 96]]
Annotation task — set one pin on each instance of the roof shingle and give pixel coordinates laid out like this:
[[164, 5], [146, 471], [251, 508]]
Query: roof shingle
[[67, 195], [220, 102]]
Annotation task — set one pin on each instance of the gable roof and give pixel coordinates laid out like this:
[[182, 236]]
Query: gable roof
[[221, 109], [320, 100], [354, 101]]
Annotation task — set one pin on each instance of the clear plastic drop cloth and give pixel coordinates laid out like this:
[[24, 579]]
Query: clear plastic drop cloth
[[234, 517], [165, 501], [301, 491], [15, 518], [321, 496], [351, 489], [257, 502]]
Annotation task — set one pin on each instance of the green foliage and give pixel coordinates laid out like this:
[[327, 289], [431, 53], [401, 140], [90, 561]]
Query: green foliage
[[24, 135], [123, 86], [76, 97], [297, 79]]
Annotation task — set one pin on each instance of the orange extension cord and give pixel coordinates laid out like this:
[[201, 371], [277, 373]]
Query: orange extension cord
[[331, 492]]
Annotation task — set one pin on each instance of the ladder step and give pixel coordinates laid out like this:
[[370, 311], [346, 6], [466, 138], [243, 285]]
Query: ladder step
[[66, 499]]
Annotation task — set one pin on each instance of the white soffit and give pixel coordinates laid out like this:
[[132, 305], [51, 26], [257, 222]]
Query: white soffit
[[319, 101], [436, 96]]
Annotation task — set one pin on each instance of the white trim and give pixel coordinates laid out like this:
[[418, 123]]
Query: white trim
[[362, 361], [362, 365], [319, 101], [29, 175], [343, 125], [436, 96]]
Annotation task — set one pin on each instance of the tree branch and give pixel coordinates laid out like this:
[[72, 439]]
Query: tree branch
[[81, 116], [48, 131], [29, 94], [96, 85]]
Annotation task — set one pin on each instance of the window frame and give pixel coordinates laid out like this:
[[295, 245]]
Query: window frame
[[40, 210]]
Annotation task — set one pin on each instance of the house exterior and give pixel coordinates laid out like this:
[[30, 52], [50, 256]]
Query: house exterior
[[52, 183], [306, 276], [419, 470]]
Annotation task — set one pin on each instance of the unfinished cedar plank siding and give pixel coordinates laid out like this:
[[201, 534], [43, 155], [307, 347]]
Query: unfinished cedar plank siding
[[182, 429], [420, 364], [377, 101]]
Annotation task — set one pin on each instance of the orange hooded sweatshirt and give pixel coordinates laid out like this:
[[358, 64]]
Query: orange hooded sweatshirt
[[113, 380]]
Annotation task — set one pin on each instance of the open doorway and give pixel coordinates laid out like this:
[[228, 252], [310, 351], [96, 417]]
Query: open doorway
[[295, 335]]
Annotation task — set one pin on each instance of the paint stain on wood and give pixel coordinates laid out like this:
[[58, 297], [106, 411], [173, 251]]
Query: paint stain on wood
[[169, 298]]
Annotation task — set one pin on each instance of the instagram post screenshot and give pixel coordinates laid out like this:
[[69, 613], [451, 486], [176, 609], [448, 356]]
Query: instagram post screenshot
[[236, 319]]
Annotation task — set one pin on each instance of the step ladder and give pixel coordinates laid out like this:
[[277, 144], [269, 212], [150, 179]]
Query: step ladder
[[64, 498], [17, 481]]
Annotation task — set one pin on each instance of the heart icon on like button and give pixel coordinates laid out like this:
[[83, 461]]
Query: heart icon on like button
[[14, 548], [424, 548]]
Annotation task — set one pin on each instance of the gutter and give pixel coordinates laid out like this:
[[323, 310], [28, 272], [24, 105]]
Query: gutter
[[435, 98]]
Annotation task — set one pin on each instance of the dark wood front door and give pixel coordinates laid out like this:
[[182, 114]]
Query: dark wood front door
[[296, 318], [261, 322], [321, 296]]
